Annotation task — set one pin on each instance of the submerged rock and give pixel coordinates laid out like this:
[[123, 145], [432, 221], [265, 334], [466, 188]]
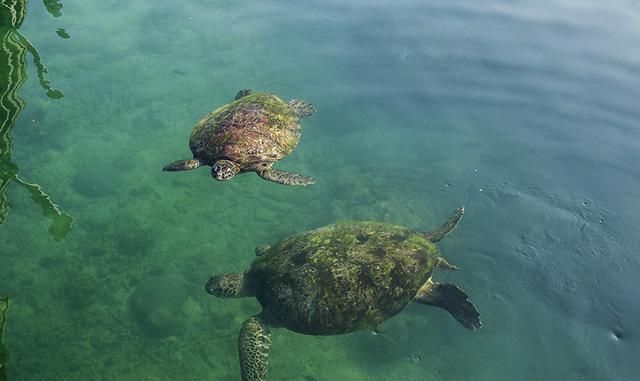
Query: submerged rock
[[157, 304], [80, 289], [97, 180], [99, 217]]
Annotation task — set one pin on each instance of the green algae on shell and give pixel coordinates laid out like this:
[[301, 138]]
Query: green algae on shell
[[257, 127], [249, 134], [357, 274], [340, 278]]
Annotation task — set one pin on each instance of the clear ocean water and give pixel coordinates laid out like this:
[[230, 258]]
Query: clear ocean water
[[525, 112]]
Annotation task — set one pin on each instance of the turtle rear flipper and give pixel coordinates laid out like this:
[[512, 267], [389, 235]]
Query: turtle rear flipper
[[253, 346], [452, 299], [302, 108], [439, 233], [286, 178], [182, 165]]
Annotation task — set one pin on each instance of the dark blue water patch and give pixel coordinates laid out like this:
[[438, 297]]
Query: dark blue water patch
[[578, 261]]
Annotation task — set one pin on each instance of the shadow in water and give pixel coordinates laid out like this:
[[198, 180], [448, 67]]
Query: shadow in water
[[13, 72]]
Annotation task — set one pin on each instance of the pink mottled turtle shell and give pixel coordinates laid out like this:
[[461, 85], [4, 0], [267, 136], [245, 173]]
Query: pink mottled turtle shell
[[256, 128]]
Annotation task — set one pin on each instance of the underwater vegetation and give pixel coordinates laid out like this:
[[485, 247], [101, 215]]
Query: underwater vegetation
[[13, 73], [54, 7], [4, 353]]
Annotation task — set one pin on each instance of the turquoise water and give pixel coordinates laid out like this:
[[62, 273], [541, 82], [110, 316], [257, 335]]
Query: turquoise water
[[526, 112]]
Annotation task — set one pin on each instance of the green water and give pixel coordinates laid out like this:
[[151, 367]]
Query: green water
[[525, 112]]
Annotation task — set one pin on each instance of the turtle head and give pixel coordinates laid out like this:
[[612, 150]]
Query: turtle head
[[228, 285], [224, 169]]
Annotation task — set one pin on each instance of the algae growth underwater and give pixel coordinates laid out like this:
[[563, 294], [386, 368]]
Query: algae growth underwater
[[524, 112]]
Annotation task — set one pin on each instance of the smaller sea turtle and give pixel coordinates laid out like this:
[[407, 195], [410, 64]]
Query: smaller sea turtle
[[249, 134], [340, 278]]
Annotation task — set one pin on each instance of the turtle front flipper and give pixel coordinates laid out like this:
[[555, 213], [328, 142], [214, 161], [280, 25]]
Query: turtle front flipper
[[439, 233], [253, 347], [302, 108], [182, 165], [452, 299], [286, 178]]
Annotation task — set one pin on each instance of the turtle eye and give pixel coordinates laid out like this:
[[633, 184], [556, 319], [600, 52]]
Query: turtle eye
[[210, 287]]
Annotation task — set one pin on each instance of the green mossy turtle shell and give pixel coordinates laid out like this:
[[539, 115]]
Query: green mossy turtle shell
[[342, 277], [256, 128]]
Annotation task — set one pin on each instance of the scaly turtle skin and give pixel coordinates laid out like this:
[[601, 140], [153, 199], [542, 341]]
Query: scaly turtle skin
[[340, 278], [249, 134]]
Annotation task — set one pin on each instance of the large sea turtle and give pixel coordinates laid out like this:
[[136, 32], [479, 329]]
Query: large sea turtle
[[340, 278], [249, 134]]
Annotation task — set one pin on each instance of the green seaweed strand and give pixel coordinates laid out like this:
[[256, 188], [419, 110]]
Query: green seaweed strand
[[13, 51], [60, 222], [4, 354]]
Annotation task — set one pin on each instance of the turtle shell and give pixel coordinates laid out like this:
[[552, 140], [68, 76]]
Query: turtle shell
[[342, 277], [256, 128]]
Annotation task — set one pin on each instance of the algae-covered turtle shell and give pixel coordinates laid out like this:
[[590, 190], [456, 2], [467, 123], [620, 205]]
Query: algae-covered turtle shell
[[342, 277], [249, 134], [256, 128]]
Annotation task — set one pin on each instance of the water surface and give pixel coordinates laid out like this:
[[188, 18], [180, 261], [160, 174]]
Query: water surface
[[525, 112]]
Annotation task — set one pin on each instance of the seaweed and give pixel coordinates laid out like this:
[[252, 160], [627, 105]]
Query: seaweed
[[4, 353], [14, 47], [54, 7]]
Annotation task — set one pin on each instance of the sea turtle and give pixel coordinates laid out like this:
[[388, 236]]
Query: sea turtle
[[340, 278], [249, 134]]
